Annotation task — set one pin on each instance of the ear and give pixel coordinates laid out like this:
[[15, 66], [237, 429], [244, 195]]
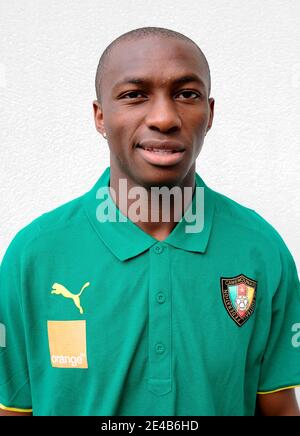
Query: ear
[[98, 117], [211, 114]]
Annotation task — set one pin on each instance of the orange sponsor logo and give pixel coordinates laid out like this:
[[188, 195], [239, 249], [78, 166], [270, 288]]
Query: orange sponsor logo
[[67, 344]]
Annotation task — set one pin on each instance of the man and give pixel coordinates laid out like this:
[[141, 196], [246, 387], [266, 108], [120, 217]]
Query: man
[[144, 317]]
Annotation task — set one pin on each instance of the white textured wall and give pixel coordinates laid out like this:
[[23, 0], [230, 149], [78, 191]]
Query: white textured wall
[[50, 151]]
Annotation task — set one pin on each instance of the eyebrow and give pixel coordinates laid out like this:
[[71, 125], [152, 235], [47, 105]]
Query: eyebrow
[[143, 81]]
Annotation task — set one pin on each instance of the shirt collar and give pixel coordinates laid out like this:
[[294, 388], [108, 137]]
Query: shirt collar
[[125, 239]]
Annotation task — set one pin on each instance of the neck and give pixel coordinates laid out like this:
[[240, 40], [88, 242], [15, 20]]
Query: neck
[[154, 213]]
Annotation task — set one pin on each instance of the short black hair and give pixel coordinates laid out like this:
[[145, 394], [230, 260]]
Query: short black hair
[[137, 34]]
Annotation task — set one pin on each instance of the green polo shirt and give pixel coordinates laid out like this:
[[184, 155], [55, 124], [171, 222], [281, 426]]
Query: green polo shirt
[[100, 318]]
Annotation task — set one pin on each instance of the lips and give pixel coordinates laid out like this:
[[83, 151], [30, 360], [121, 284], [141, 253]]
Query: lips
[[159, 150], [164, 146], [161, 153]]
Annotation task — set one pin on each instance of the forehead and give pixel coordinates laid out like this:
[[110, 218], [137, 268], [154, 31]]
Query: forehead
[[159, 60]]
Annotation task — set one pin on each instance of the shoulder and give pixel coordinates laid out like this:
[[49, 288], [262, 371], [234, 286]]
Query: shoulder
[[248, 225], [47, 225]]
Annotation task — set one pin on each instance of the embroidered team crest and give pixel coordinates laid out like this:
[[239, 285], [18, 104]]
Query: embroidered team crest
[[239, 295]]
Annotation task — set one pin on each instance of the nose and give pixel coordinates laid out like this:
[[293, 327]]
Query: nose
[[162, 115]]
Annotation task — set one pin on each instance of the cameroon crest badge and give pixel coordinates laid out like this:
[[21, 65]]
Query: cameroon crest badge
[[239, 295]]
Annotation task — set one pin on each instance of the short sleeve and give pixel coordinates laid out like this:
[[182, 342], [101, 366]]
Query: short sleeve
[[14, 378], [280, 367]]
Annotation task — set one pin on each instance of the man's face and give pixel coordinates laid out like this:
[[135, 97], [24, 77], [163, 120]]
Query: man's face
[[156, 128]]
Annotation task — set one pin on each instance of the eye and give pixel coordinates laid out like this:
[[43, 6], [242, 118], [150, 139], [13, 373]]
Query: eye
[[134, 93], [187, 92]]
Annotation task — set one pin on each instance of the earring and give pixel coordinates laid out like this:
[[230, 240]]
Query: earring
[[104, 135]]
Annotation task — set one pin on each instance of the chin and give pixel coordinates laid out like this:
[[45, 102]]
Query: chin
[[160, 176]]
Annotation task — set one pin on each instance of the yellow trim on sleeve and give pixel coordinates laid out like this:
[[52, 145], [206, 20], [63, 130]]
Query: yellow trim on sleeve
[[14, 409], [277, 390]]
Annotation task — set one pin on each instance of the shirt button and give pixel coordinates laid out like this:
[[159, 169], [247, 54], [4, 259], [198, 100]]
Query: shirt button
[[160, 297], [160, 348], [158, 249]]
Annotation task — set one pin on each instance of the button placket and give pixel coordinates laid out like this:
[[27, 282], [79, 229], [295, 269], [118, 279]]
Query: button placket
[[159, 320]]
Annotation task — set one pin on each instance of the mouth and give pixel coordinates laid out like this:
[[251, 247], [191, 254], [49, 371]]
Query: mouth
[[164, 154]]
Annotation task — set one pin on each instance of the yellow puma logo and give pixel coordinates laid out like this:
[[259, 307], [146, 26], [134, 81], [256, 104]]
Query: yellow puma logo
[[60, 289]]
